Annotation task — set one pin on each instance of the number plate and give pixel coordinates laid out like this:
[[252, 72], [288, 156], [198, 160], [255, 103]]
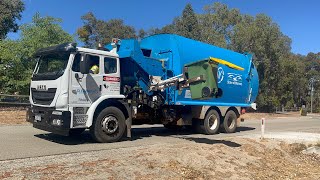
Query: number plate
[[37, 117]]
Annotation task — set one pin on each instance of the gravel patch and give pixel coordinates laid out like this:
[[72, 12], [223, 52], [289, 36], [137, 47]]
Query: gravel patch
[[231, 158], [290, 137]]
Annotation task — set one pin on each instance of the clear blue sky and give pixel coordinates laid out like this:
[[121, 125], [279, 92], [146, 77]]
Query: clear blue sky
[[298, 19]]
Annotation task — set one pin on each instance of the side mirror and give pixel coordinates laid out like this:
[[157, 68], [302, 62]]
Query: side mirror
[[84, 65], [77, 77]]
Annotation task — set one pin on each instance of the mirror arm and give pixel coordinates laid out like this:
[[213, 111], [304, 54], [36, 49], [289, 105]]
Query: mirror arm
[[77, 77]]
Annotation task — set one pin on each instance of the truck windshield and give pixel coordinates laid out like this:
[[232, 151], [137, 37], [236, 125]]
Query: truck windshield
[[51, 66]]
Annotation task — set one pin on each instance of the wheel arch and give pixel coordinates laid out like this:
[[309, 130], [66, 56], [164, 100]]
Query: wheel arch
[[236, 110], [100, 104], [111, 102], [216, 109], [200, 112]]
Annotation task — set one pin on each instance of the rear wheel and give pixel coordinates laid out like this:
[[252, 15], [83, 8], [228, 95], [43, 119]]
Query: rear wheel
[[211, 123], [229, 124], [109, 126]]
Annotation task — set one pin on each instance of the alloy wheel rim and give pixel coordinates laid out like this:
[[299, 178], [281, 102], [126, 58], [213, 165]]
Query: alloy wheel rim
[[213, 122], [230, 123], [110, 124]]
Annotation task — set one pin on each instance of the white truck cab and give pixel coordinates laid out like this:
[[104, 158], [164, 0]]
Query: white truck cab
[[64, 94]]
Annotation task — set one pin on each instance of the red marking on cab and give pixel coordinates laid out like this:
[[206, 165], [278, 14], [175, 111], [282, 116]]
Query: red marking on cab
[[111, 79]]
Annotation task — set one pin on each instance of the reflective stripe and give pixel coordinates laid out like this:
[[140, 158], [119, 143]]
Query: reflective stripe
[[229, 64]]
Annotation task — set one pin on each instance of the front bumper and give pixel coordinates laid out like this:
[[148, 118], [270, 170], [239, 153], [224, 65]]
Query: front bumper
[[43, 118]]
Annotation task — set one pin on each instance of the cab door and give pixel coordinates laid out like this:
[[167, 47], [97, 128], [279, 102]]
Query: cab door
[[111, 76], [85, 88]]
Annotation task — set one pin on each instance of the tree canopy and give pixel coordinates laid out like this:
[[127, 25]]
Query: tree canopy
[[188, 25], [16, 56], [10, 11], [95, 31]]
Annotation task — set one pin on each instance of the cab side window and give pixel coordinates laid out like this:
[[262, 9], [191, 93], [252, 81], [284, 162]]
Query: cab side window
[[110, 65], [94, 64], [76, 63]]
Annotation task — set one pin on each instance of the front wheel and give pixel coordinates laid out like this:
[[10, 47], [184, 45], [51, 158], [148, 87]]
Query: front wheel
[[109, 126]]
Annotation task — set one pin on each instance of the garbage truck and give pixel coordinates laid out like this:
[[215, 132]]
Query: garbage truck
[[161, 79]]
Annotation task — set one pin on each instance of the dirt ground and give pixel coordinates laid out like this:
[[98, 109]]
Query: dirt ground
[[194, 158], [12, 116], [231, 158]]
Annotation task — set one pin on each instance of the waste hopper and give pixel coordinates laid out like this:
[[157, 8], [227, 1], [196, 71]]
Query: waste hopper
[[202, 76]]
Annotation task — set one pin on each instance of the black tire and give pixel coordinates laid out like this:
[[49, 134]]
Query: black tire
[[108, 126], [211, 123], [229, 124], [76, 132]]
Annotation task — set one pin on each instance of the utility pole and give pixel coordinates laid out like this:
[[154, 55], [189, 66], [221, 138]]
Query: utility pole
[[312, 81]]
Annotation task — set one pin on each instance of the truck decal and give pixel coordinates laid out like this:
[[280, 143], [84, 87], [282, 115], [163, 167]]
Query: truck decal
[[111, 79], [113, 87], [220, 74], [234, 79], [82, 91]]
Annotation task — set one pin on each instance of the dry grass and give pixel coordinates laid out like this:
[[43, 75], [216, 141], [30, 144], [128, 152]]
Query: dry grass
[[296, 148], [252, 160], [12, 116]]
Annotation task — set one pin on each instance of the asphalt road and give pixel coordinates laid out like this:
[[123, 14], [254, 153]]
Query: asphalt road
[[24, 141]]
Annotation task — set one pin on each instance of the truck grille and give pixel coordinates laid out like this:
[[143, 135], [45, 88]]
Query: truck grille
[[79, 120], [43, 97], [79, 116]]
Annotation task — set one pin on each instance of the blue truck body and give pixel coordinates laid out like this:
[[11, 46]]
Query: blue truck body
[[165, 55]]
